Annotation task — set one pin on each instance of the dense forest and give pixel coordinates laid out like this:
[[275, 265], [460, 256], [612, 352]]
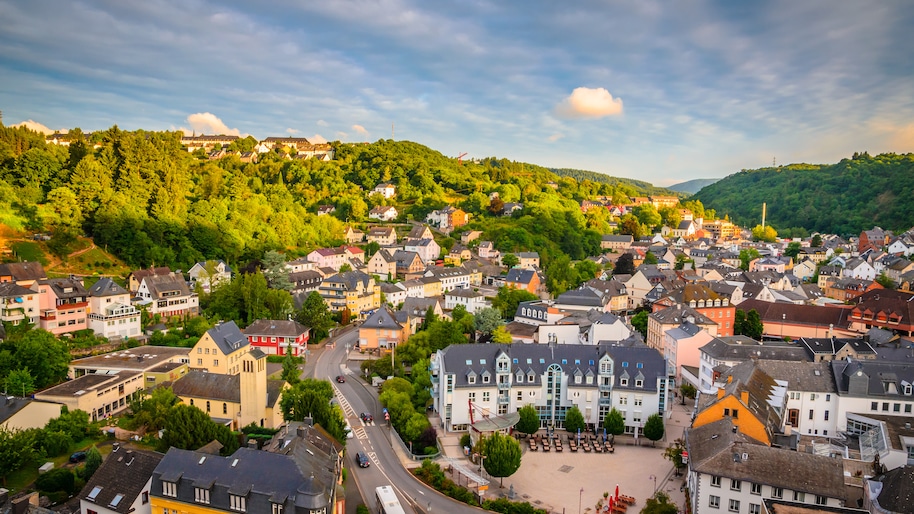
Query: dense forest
[[143, 197], [692, 186], [844, 198], [632, 186]]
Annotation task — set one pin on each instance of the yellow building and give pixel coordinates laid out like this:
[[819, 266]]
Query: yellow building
[[353, 290], [167, 372], [100, 395], [25, 413], [431, 287], [382, 331], [235, 400], [220, 350]]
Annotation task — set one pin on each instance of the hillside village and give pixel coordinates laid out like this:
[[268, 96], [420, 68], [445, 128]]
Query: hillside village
[[800, 353]]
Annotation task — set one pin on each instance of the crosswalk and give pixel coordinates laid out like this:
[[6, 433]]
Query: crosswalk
[[359, 429]]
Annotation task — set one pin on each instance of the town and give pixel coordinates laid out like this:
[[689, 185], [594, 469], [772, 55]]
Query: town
[[786, 363]]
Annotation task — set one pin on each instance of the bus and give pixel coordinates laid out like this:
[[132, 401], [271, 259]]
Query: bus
[[387, 500]]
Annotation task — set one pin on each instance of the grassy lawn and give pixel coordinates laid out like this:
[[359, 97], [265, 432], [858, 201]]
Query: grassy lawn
[[26, 476], [29, 251], [96, 260]]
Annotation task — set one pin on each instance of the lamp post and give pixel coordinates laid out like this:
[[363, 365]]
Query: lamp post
[[580, 500], [654, 478]]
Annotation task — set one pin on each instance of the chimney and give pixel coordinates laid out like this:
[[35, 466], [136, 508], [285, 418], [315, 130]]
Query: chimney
[[252, 444], [300, 432], [788, 429], [720, 393], [729, 379], [744, 396]]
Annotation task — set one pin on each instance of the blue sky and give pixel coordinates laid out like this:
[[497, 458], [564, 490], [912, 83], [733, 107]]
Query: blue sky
[[658, 91]]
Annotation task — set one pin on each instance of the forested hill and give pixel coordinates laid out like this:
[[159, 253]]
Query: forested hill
[[635, 187], [143, 197], [844, 198], [692, 186]]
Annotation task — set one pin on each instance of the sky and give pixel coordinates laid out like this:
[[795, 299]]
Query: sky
[[658, 91]]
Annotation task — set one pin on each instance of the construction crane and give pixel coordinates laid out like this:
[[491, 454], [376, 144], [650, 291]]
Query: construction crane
[[460, 158]]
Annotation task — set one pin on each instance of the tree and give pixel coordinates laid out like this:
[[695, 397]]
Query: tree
[[767, 233], [793, 249], [487, 319], [816, 241], [614, 423], [152, 411], [884, 281], [650, 258], [659, 504], [653, 428], [639, 322], [509, 260], [687, 390], [501, 336], [631, 226], [754, 327], [315, 315], [647, 214], [93, 461], [274, 270], [502, 455], [625, 265], [290, 371], [674, 454], [16, 448], [189, 428], [508, 298], [746, 256], [529, 421], [19, 382], [311, 398], [574, 420], [45, 357]]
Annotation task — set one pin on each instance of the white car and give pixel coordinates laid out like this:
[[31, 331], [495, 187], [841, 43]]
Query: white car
[[348, 430]]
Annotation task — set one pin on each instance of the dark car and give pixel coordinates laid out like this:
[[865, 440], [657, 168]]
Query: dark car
[[362, 459], [78, 457], [366, 417], [340, 379]]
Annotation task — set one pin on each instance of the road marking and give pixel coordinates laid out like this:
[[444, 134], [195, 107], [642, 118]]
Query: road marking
[[360, 433]]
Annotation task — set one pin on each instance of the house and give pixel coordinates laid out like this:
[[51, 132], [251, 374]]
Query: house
[[121, 484], [63, 303], [510, 208], [681, 346], [196, 142], [529, 260], [335, 258], [812, 399], [135, 278], [353, 235], [323, 210], [167, 295], [135, 360], [277, 336], [448, 219], [607, 327], [383, 264], [394, 293], [727, 469], [660, 321], [381, 331], [414, 310], [722, 353], [487, 250], [19, 304], [469, 236], [873, 239], [100, 395], [385, 189], [616, 242], [408, 263], [352, 291], [220, 349], [110, 312], [584, 298], [239, 399], [805, 269], [18, 413], [470, 299], [383, 213], [428, 249], [884, 308], [859, 268], [25, 274], [526, 279], [498, 379], [847, 289], [384, 236], [794, 321], [298, 482], [705, 301], [305, 281], [209, 274], [877, 387], [449, 278]]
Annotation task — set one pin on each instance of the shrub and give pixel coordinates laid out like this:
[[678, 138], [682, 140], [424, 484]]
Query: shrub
[[60, 479], [465, 440]]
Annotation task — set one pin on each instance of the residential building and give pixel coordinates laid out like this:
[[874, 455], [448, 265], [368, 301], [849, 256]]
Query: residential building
[[121, 485], [408, 264], [20, 413], [723, 353], [616, 242], [812, 398], [873, 239], [381, 331], [526, 279], [25, 274], [727, 470], [383, 264], [63, 303], [873, 387], [220, 350], [528, 260], [495, 380], [471, 300], [834, 348], [659, 322], [324, 210], [782, 320], [385, 189], [135, 278], [278, 336], [353, 235], [448, 218], [469, 236], [383, 213], [196, 142], [607, 327], [384, 236], [883, 308], [110, 312], [167, 295], [19, 304], [354, 291], [101, 395], [704, 300], [420, 232], [487, 250], [334, 258], [209, 274], [681, 347], [450, 278]]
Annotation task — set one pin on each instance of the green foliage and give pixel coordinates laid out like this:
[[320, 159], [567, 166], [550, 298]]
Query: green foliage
[[746, 256], [659, 504], [189, 428], [653, 427], [506, 506], [673, 453], [487, 320], [793, 249], [93, 461], [529, 421], [19, 382], [688, 390], [39, 353], [59, 479], [625, 265], [502, 455], [508, 298], [639, 322], [153, 410], [16, 448], [574, 420], [362, 509], [247, 298], [73, 423], [748, 324], [315, 315], [311, 398], [817, 198], [884, 281], [509, 260], [430, 473], [290, 371], [614, 423], [767, 233]]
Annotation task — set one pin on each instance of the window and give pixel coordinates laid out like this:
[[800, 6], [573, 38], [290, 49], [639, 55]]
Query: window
[[828, 397], [821, 500], [215, 362], [734, 506], [907, 408], [145, 497], [485, 396], [623, 382], [199, 362], [799, 497], [485, 379], [896, 407], [520, 395], [471, 379], [777, 492], [237, 503], [756, 489], [623, 400], [812, 414], [736, 485], [735, 413], [715, 481], [201, 495], [472, 397], [714, 501], [755, 508], [874, 406], [885, 406], [277, 508], [638, 400], [826, 415], [639, 383], [170, 489], [207, 406]]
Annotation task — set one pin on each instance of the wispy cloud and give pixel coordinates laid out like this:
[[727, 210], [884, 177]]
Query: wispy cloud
[[292, 131], [360, 130]]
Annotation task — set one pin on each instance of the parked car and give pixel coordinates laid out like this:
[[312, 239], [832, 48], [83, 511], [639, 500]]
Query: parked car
[[78, 457], [340, 379], [366, 417]]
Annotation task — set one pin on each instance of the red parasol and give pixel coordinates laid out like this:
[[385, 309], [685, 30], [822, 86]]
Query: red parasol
[[617, 492]]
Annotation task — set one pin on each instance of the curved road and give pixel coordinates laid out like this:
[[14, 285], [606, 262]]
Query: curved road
[[373, 438]]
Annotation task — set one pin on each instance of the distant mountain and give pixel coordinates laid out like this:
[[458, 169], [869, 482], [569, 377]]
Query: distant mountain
[[693, 186], [844, 198], [636, 187]]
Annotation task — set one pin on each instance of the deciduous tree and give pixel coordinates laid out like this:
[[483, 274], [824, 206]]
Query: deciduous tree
[[502, 455], [529, 421], [614, 423], [653, 428], [574, 420]]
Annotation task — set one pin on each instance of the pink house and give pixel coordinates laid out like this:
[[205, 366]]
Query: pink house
[[681, 346], [63, 305], [335, 257]]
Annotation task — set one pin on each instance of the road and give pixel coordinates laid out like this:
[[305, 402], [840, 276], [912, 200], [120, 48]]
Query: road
[[355, 397]]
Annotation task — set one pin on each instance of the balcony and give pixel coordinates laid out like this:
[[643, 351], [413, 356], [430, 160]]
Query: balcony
[[504, 386], [606, 401], [504, 399], [605, 387]]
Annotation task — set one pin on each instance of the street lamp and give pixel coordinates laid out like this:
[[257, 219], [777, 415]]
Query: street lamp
[[580, 500], [654, 478]]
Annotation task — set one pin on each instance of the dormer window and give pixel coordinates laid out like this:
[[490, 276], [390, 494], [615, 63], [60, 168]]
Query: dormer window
[[485, 379], [170, 489], [639, 383], [623, 381], [530, 377], [519, 378], [201, 495], [471, 378], [237, 503]]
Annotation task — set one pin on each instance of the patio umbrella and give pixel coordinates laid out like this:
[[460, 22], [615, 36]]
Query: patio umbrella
[[579, 434], [604, 434], [617, 492], [611, 503]]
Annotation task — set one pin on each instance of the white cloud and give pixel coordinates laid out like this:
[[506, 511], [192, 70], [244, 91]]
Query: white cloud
[[292, 131], [317, 139], [321, 123], [341, 135], [360, 129], [555, 137], [34, 125], [209, 123], [585, 102]]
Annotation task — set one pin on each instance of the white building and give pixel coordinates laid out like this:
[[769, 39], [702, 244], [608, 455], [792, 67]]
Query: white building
[[18, 304], [724, 352], [168, 295], [209, 274], [450, 278], [110, 311], [471, 300], [499, 379]]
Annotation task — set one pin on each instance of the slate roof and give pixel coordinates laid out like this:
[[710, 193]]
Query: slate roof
[[10, 405], [123, 473], [275, 328], [748, 376], [874, 378], [350, 279], [23, 270], [715, 449], [743, 347], [11, 289], [676, 315], [211, 386], [896, 490], [228, 337], [67, 288], [801, 376], [106, 287], [584, 295], [809, 315], [382, 318], [520, 275], [87, 383], [832, 345], [159, 284]]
